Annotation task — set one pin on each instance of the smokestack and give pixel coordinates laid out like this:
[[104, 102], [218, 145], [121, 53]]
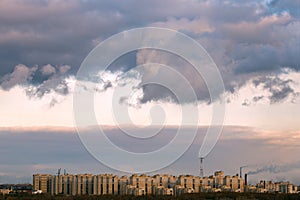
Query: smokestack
[[246, 179], [241, 172], [264, 184]]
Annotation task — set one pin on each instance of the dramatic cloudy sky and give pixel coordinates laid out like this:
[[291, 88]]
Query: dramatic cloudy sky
[[255, 44]]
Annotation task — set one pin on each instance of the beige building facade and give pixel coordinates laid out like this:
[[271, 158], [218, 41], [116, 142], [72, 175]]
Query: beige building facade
[[102, 184], [109, 184]]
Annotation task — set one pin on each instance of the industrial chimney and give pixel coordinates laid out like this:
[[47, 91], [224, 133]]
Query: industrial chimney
[[246, 179], [241, 175]]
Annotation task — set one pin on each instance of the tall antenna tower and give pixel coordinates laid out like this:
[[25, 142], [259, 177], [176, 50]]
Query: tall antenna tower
[[201, 166]]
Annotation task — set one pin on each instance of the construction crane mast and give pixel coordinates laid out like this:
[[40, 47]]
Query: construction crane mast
[[201, 166], [58, 171]]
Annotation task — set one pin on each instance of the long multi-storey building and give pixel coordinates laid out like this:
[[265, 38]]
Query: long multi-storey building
[[88, 184], [102, 184]]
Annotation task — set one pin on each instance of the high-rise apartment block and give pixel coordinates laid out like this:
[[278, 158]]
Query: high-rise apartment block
[[88, 184], [102, 184]]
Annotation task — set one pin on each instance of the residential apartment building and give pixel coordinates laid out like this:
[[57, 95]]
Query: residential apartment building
[[102, 184], [278, 187]]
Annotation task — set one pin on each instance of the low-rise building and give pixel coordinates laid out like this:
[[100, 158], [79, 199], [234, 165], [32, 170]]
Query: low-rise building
[[15, 188]]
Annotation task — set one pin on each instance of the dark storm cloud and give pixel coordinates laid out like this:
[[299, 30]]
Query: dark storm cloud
[[244, 38], [38, 81], [264, 45], [50, 80], [56, 33], [244, 47], [180, 83], [279, 89]]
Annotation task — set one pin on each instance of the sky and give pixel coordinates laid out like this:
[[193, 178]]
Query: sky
[[254, 44]]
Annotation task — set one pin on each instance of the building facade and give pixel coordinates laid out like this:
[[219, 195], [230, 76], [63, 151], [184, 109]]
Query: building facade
[[278, 187], [103, 184]]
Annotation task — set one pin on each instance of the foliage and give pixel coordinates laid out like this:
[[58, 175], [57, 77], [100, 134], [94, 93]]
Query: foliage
[[198, 196]]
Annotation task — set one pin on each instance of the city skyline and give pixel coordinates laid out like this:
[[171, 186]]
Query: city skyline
[[64, 183], [158, 184], [63, 156], [46, 45]]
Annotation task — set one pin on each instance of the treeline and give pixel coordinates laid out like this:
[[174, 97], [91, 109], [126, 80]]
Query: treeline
[[198, 196]]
